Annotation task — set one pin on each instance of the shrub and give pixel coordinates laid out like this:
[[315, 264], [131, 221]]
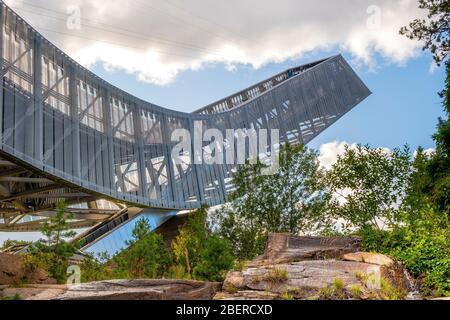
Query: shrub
[[356, 291], [178, 272], [338, 284], [53, 253], [287, 296], [93, 269], [422, 244], [188, 244], [146, 257], [215, 258], [200, 254]]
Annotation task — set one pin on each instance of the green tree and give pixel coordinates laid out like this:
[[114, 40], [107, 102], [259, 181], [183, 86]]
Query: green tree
[[200, 254], [422, 243], [417, 197], [370, 184], [95, 268], [215, 260], [439, 166], [53, 252], [433, 32], [292, 200], [146, 256], [192, 236]]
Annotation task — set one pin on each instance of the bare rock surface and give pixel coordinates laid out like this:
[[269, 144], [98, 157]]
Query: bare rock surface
[[34, 292], [372, 258], [142, 290], [12, 272], [282, 248], [303, 267]]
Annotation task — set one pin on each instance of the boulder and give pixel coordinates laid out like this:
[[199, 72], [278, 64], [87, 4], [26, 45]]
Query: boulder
[[142, 290], [371, 258]]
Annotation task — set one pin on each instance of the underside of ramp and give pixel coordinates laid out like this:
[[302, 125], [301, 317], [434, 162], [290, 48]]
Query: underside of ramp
[[66, 134]]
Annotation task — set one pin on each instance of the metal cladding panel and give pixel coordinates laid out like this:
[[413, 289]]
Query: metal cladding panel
[[60, 118]]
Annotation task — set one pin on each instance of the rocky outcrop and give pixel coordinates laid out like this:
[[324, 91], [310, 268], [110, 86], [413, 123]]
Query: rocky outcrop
[[13, 272], [372, 258], [316, 268], [118, 290], [282, 248], [142, 290]]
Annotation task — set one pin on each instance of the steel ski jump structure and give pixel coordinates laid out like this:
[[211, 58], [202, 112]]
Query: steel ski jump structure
[[67, 134]]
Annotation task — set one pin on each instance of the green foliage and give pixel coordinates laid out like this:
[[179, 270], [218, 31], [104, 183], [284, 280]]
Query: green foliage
[[356, 291], [53, 252], [192, 236], [146, 256], [389, 292], [292, 200], [201, 255], [338, 284], [371, 183], [334, 292], [287, 296], [422, 244], [177, 271], [438, 167], [434, 32], [215, 260], [196, 255], [435, 35], [95, 268], [391, 201]]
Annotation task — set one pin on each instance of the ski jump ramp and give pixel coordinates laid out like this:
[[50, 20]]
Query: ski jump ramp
[[67, 134]]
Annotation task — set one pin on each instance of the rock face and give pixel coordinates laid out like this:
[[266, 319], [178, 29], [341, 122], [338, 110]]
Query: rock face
[[12, 272], [315, 268], [282, 248], [142, 290]]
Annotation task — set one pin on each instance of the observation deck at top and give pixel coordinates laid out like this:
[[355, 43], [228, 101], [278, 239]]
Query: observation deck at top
[[68, 134]]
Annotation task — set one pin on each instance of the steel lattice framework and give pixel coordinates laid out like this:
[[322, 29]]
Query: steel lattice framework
[[68, 134]]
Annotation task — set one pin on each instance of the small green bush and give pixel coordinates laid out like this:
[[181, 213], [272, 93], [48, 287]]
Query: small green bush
[[215, 260], [146, 257], [95, 269]]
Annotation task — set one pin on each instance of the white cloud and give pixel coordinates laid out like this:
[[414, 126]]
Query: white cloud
[[429, 152], [329, 152], [156, 40]]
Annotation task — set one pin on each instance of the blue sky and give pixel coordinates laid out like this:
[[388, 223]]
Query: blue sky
[[403, 108]]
